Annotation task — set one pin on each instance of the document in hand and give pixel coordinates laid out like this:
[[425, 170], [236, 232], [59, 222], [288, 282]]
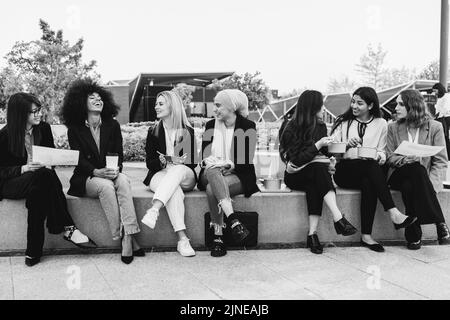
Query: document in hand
[[407, 148], [55, 157]]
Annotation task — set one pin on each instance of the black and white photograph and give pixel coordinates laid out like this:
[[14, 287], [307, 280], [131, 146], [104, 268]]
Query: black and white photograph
[[216, 159]]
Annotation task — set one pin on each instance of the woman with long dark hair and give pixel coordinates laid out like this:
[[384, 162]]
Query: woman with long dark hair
[[23, 178], [88, 112], [418, 179], [362, 126], [303, 147]]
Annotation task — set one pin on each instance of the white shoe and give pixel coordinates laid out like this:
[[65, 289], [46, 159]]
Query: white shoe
[[185, 249], [150, 218]]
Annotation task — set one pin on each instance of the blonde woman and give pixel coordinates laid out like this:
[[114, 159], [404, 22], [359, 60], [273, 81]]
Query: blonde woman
[[171, 161]]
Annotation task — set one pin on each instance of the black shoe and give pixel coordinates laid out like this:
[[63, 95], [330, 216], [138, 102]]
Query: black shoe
[[313, 243], [238, 231], [374, 247], [32, 261], [414, 245], [408, 221], [126, 260], [443, 233], [218, 248], [344, 227], [139, 253]]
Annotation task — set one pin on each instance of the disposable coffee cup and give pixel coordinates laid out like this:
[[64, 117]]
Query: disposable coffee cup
[[112, 162]]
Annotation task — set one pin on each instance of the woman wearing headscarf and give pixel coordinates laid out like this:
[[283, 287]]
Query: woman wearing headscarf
[[228, 148]]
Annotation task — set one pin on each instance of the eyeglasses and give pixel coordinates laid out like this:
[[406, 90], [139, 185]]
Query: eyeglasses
[[35, 112]]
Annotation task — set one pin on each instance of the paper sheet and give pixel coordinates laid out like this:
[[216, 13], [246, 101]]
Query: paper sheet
[[55, 157], [407, 148]]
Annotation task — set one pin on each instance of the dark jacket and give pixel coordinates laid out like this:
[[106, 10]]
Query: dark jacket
[[11, 165], [80, 138], [246, 170], [302, 153], [156, 141]]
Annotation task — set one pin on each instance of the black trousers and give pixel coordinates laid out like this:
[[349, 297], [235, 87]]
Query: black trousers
[[316, 181], [446, 125], [44, 199], [419, 197], [367, 176]]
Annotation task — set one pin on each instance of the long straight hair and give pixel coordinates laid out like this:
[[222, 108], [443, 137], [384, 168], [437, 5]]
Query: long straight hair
[[178, 119], [414, 103], [369, 95], [303, 123], [18, 111]]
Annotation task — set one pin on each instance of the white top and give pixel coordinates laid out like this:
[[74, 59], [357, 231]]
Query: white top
[[374, 136], [170, 139], [228, 141], [443, 106], [416, 138]]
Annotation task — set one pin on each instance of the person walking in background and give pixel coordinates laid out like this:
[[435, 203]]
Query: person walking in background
[[88, 112], [228, 148], [303, 147], [172, 136], [443, 112], [23, 178], [362, 125], [418, 179]]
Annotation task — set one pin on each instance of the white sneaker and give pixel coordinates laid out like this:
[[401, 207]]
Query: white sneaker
[[185, 249], [150, 218]]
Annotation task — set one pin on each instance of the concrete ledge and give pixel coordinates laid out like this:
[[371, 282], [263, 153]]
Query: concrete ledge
[[283, 221]]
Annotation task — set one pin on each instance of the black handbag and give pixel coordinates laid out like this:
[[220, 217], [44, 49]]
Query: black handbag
[[248, 219]]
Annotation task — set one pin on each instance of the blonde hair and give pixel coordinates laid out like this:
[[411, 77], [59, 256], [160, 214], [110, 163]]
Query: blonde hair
[[178, 119]]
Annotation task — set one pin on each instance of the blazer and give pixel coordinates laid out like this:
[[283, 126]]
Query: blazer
[[11, 165], [245, 171], [431, 133], [156, 141], [81, 139]]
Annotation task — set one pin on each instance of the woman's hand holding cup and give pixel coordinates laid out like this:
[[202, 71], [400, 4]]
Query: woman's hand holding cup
[[354, 142]]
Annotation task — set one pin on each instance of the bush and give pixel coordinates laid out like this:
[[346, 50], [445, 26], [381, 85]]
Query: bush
[[2, 116]]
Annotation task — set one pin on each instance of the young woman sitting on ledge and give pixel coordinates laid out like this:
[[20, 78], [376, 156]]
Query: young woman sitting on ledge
[[228, 148], [173, 136], [88, 112], [303, 147], [418, 179], [363, 126], [23, 178]]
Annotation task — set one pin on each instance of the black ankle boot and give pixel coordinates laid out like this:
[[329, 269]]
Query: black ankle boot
[[443, 233], [238, 231], [218, 248], [313, 243], [344, 227]]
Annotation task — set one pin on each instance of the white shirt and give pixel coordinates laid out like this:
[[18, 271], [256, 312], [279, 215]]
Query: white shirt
[[228, 142], [443, 106], [170, 140]]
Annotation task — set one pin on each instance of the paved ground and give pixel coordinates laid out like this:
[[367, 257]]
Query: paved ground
[[340, 273]]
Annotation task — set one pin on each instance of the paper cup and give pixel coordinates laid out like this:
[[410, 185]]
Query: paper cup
[[366, 152], [337, 147], [112, 162]]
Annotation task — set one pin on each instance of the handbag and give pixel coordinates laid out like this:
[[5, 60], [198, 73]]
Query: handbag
[[248, 219]]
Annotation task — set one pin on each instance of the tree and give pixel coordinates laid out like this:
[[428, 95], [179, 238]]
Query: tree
[[185, 92], [46, 67], [342, 85], [252, 85], [395, 76], [293, 93], [371, 66]]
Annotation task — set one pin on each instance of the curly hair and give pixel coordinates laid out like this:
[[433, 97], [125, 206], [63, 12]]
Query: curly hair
[[414, 103], [74, 110]]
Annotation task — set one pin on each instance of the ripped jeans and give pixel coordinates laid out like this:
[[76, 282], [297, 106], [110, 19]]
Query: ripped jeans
[[219, 188]]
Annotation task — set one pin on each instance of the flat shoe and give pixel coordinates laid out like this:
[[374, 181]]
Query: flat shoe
[[374, 247], [408, 221]]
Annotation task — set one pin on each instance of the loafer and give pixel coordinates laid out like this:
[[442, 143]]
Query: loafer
[[29, 261], [443, 233], [414, 245], [314, 244], [344, 227], [238, 231], [374, 247], [218, 248], [408, 221]]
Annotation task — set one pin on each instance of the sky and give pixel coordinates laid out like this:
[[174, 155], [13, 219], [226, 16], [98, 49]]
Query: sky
[[294, 44]]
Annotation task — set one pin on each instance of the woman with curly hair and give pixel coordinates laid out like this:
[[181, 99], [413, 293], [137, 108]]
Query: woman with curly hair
[[303, 147], [169, 177], [88, 112], [23, 178], [418, 179]]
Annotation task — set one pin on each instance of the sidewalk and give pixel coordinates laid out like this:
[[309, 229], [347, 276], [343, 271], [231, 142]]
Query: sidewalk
[[340, 273]]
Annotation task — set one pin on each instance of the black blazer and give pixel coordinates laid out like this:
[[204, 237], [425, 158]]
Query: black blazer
[[156, 141], [245, 171], [11, 165], [80, 138]]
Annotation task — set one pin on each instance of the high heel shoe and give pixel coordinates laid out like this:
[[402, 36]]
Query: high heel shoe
[[408, 221], [344, 227], [126, 259], [313, 243]]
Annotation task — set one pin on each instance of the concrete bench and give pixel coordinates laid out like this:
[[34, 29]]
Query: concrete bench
[[283, 220]]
